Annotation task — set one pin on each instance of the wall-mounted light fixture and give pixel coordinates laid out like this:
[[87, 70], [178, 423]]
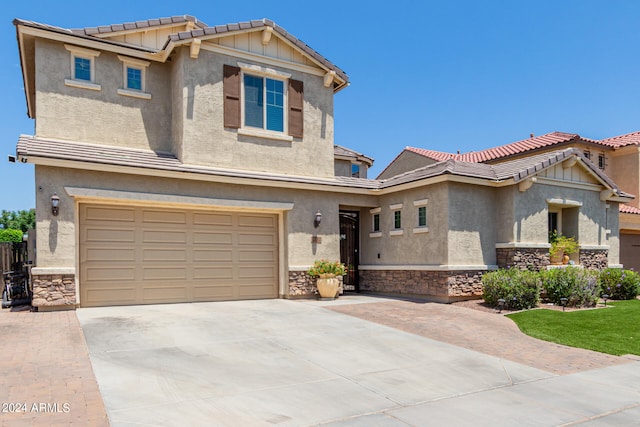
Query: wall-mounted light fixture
[[55, 203], [317, 219]]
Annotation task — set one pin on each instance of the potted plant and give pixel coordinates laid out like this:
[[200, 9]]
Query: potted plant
[[326, 271], [561, 248]]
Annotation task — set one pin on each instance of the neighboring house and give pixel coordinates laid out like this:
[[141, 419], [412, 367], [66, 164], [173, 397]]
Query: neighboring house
[[178, 162], [618, 157]]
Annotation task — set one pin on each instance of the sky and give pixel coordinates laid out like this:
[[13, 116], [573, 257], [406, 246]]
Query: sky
[[444, 75]]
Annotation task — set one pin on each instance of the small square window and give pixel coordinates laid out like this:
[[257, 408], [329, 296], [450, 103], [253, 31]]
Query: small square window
[[82, 68], [587, 154], [134, 78], [397, 220], [376, 222], [422, 216]]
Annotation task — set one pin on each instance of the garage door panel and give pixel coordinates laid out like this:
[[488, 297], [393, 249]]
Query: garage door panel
[[249, 256], [109, 254], [256, 221], [213, 219], [110, 274], [211, 273], [110, 214], [253, 239], [98, 235], [164, 236], [164, 273], [164, 217], [218, 238], [111, 295], [144, 256]]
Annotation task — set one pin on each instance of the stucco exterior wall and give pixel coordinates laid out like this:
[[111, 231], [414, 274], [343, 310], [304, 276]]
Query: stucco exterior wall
[[342, 168], [472, 225], [57, 235], [205, 141], [409, 248], [102, 117], [626, 171], [505, 214]]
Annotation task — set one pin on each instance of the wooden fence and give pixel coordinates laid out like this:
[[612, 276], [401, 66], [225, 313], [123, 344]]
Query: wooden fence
[[13, 256]]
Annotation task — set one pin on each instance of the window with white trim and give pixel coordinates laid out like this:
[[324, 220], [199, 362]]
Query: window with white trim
[[134, 77], [396, 228], [375, 222], [82, 67], [421, 216]]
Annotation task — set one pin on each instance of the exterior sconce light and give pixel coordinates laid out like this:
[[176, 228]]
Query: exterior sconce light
[[317, 219], [55, 203]]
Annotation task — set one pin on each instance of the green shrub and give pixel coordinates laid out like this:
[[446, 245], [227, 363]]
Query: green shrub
[[579, 286], [519, 288], [619, 284], [11, 235]]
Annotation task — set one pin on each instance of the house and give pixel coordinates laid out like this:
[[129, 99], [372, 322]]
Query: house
[[618, 157], [179, 162]]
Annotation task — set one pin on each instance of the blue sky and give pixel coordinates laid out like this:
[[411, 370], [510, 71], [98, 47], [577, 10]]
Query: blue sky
[[444, 75]]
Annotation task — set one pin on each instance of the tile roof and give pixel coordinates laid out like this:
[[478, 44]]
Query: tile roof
[[628, 209], [91, 33], [533, 143], [622, 140], [30, 146], [518, 170], [339, 150], [145, 24]]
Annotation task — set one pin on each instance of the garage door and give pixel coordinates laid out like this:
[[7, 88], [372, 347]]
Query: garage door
[[136, 255]]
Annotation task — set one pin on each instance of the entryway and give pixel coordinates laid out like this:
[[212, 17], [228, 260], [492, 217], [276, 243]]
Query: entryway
[[349, 248]]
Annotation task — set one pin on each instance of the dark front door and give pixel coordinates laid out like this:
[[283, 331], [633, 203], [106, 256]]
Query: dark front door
[[349, 248]]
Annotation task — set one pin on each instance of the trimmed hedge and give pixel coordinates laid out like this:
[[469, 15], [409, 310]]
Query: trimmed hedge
[[619, 284], [11, 235], [519, 288]]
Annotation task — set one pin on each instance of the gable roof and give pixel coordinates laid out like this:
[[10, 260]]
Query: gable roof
[[622, 140], [507, 150], [344, 152], [515, 170], [99, 38]]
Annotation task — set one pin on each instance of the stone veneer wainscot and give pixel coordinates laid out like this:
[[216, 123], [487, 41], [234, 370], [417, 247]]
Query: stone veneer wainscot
[[53, 288]]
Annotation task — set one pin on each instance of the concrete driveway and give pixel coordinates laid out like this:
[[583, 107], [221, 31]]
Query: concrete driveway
[[293, 363]]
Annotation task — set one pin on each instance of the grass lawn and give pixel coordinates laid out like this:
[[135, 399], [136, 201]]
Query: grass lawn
[[614, 330]]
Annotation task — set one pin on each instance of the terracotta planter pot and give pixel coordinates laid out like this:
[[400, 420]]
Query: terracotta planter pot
[[328, 287]]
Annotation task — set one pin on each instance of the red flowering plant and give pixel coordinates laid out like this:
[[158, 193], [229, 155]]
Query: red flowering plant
[[324, 268]]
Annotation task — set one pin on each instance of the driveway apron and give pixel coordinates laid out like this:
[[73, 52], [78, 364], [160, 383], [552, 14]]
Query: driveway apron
[[295, 363]]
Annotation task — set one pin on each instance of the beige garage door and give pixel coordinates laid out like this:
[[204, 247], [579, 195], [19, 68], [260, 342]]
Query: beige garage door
[[135, 255]]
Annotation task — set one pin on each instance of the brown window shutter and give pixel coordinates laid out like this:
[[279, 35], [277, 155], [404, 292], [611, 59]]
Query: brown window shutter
[[231, 83], [296, 98]]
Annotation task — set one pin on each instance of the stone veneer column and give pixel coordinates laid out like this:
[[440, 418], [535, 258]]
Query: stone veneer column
[[595, 259], [301, 285], [53, 288]]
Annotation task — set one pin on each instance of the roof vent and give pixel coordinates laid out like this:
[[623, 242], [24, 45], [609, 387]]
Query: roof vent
[[531, 135]]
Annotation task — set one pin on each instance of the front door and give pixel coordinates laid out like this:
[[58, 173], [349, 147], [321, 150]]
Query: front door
[[349, 248]]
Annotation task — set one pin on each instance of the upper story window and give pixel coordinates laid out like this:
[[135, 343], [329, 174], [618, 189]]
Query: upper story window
[[601, 161], [355, 170], [587, 154], [82, 67], [134, 77], [263, 102]]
